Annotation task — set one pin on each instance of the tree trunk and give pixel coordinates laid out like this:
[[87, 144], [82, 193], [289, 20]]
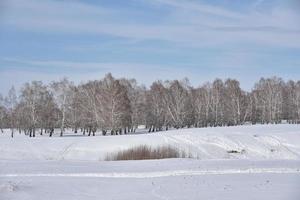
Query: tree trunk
[[90, 130], [33, 132], [51, 132]]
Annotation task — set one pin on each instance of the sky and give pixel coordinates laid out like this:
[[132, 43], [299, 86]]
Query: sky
[[148, 40]]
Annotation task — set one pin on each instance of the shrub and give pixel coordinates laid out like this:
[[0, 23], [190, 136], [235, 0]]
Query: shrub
[[145, 152], [235, 151]]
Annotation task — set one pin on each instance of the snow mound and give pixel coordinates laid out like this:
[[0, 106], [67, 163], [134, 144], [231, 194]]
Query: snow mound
[[242, 142]]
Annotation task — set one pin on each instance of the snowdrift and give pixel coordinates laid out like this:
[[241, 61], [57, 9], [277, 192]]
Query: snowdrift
[[258, 142]]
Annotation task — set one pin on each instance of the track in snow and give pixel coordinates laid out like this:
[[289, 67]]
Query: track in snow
[[161, 173]]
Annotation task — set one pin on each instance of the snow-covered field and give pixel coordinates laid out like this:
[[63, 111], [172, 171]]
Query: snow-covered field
[[265, 165]]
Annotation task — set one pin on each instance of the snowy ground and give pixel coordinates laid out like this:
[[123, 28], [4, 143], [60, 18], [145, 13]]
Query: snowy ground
[[267, 167]]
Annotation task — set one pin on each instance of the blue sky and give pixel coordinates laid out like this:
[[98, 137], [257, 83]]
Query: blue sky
[[148, 40]]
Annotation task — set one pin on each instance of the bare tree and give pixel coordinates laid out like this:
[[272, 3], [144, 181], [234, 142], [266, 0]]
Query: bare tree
[[106, 105], [91, 111], [116, 104], [202, 105], [62, 92], [269, 99], [236, 101], [178, 104], [156, 109], [136, 95], [2, 113], [119, 106], [218, 92], [49, 113], [11, 102], [297, 100], [74, 109], [292, 101], [32, 95]]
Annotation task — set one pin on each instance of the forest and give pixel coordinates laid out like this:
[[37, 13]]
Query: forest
[[118, 106]]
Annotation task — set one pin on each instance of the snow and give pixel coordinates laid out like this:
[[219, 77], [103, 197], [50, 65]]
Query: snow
[[254, 142], [164, 179], [72, 167]]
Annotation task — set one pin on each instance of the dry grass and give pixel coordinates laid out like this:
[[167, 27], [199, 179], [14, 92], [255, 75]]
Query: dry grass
[[145, 152], [236, 151]]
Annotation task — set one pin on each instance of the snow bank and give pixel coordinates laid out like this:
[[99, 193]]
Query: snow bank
[[241, 142]]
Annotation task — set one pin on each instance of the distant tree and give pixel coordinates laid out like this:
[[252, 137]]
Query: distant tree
[[297, 100], [74, 109], [62, 93], [156, 108], [49, 113], [289, 104], [198, 104], [91, 113], [11, 103], [116, 104], [136, 95], [218, 94], [105, 104], [119, 106], [178, 104], [32, 96], [237, 107], [269, 99], [2, 113], [292, 101]]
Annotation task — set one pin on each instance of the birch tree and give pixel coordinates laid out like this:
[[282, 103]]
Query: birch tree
[[218, 94], [74, 109], [297, 101], [62, 93], [178, 104], [116, 104], [31, 98], [2, 113], [268, 94], [235, 102], [201, 100], [136, 95], [11, 102], [119, 106], [91, 107], [156, 117]]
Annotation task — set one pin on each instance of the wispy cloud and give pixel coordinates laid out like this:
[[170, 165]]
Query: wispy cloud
[[72, 65], [188, 22], [84, 71], [199, 7], [232, 64], [147, 40]]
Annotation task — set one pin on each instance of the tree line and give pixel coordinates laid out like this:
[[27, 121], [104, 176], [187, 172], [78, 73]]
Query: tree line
[[118, 106]]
